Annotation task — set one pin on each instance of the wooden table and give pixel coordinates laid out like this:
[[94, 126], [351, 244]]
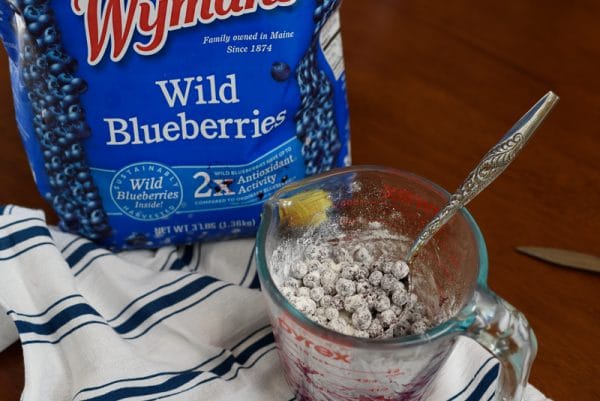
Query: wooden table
[[432, 85]]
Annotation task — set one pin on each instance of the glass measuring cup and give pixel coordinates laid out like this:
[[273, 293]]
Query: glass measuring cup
[[449, 275]]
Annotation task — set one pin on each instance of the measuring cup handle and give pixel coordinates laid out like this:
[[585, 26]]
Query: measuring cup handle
[[504, 331]]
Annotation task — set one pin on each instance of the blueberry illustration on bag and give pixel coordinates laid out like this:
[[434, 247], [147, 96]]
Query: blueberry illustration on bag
[[152, 122]]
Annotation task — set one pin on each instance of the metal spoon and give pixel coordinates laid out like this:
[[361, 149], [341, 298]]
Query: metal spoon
[[489, 168]]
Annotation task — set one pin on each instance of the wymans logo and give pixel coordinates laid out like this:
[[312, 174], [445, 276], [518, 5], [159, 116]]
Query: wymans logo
[[112, 21]]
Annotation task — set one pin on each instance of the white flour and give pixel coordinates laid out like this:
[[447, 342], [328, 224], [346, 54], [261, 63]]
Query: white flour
[[352, 283]]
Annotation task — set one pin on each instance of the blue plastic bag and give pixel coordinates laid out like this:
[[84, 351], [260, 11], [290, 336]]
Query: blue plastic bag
[[151, 122]]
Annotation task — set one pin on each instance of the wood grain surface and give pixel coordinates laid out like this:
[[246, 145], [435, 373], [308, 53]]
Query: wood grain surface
[[432, 85]]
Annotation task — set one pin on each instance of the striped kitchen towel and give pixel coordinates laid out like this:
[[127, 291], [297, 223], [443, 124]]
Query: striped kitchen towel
[[177, 323]]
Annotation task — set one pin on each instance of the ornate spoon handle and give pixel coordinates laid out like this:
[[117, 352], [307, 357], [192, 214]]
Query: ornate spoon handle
[[489, 168]]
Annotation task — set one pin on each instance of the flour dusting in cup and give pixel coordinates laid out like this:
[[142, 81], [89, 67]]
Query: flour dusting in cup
[[353, 283]]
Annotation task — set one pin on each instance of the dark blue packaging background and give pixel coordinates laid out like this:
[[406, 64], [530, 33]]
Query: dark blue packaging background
[[127, 89]]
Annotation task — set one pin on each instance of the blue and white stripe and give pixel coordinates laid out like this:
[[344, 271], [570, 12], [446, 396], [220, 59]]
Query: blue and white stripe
[[178, 323], [482, 384], [132, 322], [21, 235], [225, 365]]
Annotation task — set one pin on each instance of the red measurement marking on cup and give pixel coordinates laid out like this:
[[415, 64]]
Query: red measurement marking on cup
[[355, 202], [344, 373], [326, 352], [402, 195], [297, 346], [394, 372]]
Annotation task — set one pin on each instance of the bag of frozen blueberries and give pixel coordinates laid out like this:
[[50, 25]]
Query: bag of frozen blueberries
[[154, 122]]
